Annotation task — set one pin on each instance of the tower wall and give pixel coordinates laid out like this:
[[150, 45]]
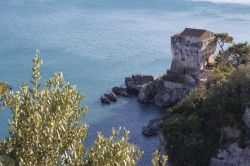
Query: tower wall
[[191, 54]]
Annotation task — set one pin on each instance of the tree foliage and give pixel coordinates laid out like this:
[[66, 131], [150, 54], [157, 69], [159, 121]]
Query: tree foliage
[[4, 88], [221, 73], [239, 53], [47, 129], [113, 150], [222, 39]]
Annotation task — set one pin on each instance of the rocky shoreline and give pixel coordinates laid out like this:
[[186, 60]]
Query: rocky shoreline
[[165, 91], [162, 92]]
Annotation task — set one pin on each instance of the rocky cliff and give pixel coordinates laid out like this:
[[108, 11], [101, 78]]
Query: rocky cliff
[[233, 154], [163, 91]]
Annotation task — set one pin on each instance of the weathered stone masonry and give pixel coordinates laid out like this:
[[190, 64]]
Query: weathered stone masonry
[[191, 50]]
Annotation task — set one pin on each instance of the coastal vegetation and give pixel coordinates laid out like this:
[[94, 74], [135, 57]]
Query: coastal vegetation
[[47, 129], [193, 129]]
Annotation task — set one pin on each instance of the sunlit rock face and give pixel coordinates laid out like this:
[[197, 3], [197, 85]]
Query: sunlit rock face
[[192, 50]]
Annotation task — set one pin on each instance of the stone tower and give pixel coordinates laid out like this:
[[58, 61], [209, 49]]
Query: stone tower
[[191, 50]]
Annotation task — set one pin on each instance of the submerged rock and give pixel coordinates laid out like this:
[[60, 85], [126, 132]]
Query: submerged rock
[[135, 83]]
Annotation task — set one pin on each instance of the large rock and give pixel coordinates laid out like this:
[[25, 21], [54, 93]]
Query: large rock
[[169, 97], [233, 155], [163, 93], [135, 83], [246, 118], [147, 93], [152, 128]]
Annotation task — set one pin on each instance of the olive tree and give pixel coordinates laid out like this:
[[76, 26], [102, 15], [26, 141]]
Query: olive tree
[[113, 150], [4, 88], [47, 129], [158, 159]]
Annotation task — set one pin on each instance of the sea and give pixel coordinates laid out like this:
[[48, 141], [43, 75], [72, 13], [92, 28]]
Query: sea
[[97, 43]]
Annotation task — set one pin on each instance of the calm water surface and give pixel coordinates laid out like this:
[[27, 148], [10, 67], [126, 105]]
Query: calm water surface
[[96, 43]]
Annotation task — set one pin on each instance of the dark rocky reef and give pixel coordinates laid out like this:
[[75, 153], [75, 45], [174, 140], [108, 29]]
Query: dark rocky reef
[[133, 86], [120, 91], [108, 98]]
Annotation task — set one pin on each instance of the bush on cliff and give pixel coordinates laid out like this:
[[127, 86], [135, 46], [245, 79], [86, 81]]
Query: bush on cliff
[[221, 72], [193, 128]]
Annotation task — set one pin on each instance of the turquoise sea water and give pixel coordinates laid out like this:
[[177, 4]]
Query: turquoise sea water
[[96, 43]]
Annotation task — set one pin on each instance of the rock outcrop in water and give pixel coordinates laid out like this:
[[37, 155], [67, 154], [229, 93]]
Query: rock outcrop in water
[[163, 93], [152, 128], [120, 91], [136, 82], [133, 86], [108, 98]]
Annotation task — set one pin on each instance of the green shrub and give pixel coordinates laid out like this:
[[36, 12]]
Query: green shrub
[[193, 127]]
